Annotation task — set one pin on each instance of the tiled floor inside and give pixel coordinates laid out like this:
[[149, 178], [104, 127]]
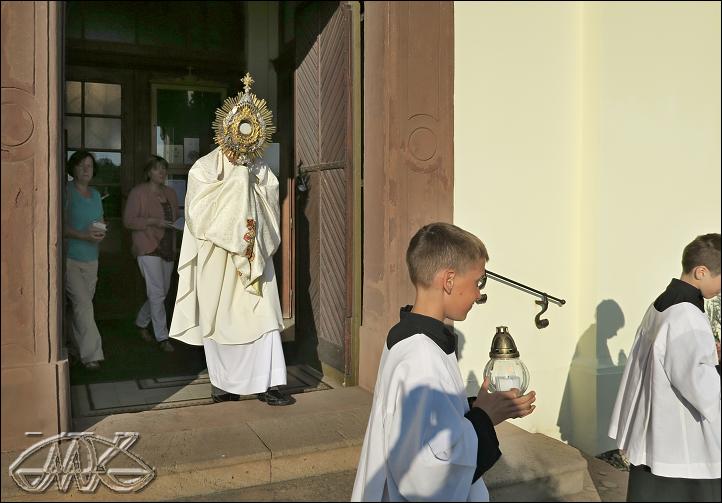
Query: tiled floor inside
[[101, 399]]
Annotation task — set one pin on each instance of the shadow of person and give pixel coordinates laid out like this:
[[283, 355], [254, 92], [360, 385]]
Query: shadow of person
[[423, 450], [305, 348], [592, 384], [472, 382], [459, 339], [428, 460]]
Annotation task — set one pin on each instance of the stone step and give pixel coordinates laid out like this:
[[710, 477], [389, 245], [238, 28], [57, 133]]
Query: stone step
[[328, 487], [228, 446], [535, 467], [338, 487]]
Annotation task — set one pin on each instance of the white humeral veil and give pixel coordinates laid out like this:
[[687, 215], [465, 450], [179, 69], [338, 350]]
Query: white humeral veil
[[227, 297]]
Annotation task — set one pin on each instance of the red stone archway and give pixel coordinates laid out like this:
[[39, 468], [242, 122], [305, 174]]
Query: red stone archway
[[408, 153], [408, 181], [35, 383]]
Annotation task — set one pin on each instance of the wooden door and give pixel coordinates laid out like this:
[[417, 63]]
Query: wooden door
[[324, 159], [98, 117]]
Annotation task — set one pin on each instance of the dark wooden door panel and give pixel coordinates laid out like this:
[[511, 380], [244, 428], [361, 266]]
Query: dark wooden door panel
[[323, 139]]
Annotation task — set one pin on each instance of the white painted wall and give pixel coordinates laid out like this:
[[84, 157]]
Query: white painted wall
[[587, 155]]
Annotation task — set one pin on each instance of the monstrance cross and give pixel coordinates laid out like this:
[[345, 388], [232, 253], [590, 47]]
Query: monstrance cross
[[247, 82]]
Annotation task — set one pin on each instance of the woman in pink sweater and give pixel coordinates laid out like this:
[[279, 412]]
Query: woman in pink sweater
[[151, 209]]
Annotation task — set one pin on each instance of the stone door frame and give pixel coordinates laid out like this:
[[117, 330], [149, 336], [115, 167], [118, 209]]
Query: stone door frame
[[408, 182], [35, 374]]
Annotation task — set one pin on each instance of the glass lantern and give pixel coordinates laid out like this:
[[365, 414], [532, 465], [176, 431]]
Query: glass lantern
[[505, 370]]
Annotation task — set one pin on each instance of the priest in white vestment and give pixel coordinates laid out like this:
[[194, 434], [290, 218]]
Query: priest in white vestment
[[227, 297]]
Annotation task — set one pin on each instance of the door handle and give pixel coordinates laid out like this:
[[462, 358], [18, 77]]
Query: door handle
[[302, 170]]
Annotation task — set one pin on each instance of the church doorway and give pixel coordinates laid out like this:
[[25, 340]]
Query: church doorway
[[145, 78]]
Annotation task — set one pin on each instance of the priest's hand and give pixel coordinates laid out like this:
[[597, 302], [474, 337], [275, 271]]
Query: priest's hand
[[504, 405]]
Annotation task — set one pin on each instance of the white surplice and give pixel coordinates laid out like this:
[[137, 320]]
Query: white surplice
[[667, 412], [227, 297], [418, 444]]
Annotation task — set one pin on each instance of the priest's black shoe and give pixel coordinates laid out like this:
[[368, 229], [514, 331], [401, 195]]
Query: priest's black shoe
[[225, 397], [275, 397]]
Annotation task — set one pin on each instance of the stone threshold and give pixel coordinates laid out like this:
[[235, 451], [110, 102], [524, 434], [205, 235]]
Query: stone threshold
[[201, 450]]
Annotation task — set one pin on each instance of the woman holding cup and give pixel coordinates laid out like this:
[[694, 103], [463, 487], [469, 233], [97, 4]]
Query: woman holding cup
[[84, 230]]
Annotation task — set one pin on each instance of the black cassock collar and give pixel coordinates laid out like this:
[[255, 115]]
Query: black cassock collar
[[413, 323], [677, 292]]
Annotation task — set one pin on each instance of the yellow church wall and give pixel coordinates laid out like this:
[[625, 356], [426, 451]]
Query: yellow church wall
[[587, 154]]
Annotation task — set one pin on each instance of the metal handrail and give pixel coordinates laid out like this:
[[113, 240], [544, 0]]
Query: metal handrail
[[543, 303]]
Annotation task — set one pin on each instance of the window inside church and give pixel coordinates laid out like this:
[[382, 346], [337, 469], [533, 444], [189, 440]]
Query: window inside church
[[93, 113]]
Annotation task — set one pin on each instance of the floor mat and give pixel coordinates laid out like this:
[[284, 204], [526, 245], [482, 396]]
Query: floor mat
[[128, 357], [103, 398]]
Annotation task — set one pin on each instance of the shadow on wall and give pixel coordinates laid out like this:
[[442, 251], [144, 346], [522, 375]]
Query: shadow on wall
[[592, 384], [472, 382]]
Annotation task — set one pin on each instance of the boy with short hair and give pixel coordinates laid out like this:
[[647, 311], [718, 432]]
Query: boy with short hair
[[667, 413], [423, 440]]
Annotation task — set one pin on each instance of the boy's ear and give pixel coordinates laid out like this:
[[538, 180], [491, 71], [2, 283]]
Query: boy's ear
[[700, 272], [448, 276]]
